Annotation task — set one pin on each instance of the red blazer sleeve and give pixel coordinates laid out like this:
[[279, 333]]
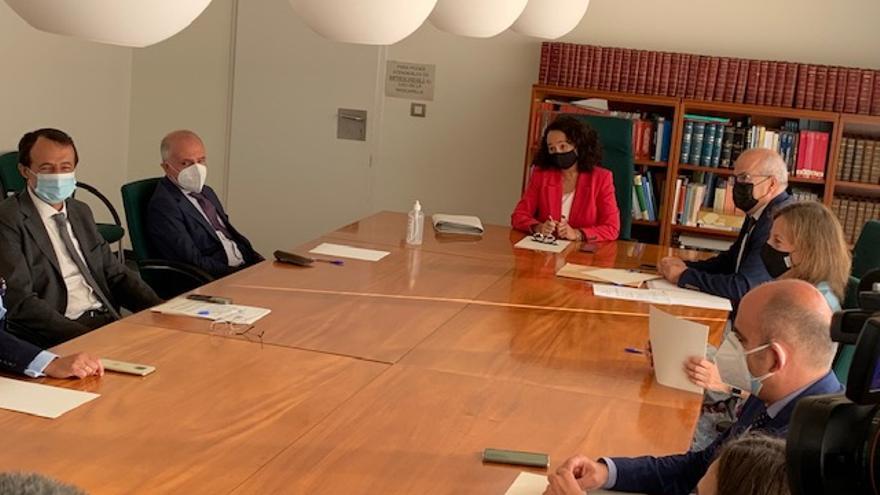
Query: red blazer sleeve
[[607, 225], [523, 216]]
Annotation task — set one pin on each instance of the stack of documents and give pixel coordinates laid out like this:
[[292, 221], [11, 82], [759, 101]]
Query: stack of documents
[[40, 400], [210, 311], [343, 251], [457, 224], [674, 341], [535, 484], [615, 276], [674, 297]]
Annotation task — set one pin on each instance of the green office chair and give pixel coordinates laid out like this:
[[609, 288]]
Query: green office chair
[[10, 179], [615, 135], [866, 255], [13, 182], [168, 278]]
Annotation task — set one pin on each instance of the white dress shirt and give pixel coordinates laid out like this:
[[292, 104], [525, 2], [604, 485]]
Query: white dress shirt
[[80, 296], [567, 200], [233, 254]]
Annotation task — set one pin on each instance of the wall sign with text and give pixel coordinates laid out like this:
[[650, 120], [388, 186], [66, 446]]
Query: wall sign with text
[[409, 80]]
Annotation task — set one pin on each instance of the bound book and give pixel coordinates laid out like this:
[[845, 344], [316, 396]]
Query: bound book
[[457, 224]]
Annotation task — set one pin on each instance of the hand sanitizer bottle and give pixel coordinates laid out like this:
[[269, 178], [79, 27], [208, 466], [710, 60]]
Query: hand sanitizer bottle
[[415, 225]]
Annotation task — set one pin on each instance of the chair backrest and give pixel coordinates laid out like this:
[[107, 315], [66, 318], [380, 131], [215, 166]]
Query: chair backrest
[[135, 199], [866, 255], [10, 178], [615, 135], [170, 279]]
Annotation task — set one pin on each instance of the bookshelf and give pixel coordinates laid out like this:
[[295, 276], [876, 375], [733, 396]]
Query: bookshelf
[[829, 188], [855, 183], [667, 107]]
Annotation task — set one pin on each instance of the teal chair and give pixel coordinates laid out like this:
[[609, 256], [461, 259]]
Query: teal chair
[[168, 278], [866, 254], [13, 182], [615, 135]]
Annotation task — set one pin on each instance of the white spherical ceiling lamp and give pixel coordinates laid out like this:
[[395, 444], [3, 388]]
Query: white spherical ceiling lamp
[[135, 23], [367, 22], [550, 19], [476, 18]]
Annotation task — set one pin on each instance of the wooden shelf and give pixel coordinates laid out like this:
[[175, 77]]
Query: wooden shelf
[[646, 223], [688, 106], [856, 188], [726, 234], [611, 96], [850, 118], [729, 171], [650, 163]]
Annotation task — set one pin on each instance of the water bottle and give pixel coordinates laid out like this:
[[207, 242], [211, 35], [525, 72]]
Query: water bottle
[[415, 224]]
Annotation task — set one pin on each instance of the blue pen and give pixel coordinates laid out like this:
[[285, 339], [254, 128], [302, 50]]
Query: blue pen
[[204, 312], [633, 350]]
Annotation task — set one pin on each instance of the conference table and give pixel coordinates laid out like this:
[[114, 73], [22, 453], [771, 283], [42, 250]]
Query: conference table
[[371, 377]]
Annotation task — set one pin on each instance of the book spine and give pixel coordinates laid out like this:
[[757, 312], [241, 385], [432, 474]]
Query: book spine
[[544, 68], [665, 70], [712, 79], [763, 76], [830, 90], [687, 135], [820, 157], [875, 100], [721, 81], [849, 159], [790, 84], [727, 147], [683, 70], [821, 86], [626, 71], [840, 93], [693, 71], [853, 81], [874, 176], [674, 69], [708, 145], [717, 145], [643, 72], [702, 77], [653, 71], [675, 201], [866, 90], [752, 82], [800, 94], [555, 63], [640, 194], [667, 141], [616, 68], [868, 165], [697, 143], [649, 196], [742, 81], [858, 161]]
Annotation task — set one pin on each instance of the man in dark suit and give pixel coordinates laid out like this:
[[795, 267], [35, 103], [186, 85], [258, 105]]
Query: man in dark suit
[[63, 279], [784, 329], [761, 178], [185, 220]]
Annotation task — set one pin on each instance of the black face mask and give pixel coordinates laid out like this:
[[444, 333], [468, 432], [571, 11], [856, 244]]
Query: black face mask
[[777, 262], [742, 196], [564, 160]]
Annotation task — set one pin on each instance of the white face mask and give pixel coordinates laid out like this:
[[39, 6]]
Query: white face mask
[[193, 177]]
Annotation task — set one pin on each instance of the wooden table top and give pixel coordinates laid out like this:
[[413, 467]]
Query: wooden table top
[[386, 377], [214, 412]]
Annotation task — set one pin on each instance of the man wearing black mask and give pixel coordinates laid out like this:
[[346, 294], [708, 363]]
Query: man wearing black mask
[[761, 178]]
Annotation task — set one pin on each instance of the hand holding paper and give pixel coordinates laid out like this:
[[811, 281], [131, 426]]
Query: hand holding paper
[[673, 342]]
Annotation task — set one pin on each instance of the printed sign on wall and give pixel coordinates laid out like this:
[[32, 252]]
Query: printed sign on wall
[[409, 80]]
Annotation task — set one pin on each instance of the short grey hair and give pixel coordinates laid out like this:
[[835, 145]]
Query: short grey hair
[[34, 484], [165, 145]]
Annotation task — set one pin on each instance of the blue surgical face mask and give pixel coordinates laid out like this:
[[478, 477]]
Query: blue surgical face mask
[[55, 188], [757, 382]]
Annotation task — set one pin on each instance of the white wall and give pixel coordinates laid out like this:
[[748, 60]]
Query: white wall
[[80, 87], [290, 178], [184, 83]]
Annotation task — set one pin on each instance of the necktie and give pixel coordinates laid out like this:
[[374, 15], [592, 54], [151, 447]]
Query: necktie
[[211, 213], [748, 225], [61, 222], [761, 421]]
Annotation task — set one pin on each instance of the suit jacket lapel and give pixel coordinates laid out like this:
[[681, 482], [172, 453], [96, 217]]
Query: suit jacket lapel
[[37, 229], [581, 190], [189, 209], [553, 197]]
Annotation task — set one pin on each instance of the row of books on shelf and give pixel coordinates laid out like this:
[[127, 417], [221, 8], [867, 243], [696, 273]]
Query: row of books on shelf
[[858, 160], [716, 142], [701, 77], [645, 192], [651, 137], [706, 200], [853, 213]]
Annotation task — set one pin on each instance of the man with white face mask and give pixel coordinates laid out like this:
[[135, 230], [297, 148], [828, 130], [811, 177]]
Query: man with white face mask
[[185, 220], [784, 328], [62, 279]]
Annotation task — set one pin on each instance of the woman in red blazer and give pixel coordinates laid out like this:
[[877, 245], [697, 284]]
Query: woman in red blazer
[[571, 202]]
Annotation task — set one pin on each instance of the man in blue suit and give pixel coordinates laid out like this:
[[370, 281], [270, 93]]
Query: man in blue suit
[[784, 329], [185, 220], [22, 357], [761, 177]]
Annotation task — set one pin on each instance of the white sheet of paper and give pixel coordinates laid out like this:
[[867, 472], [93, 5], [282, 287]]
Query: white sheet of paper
[[631, 294], [677, 297], [673, 341], [40, 400], [535, 484], [210, 311], [529, 243], [343, 251], [619, 276], [663, 284]]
